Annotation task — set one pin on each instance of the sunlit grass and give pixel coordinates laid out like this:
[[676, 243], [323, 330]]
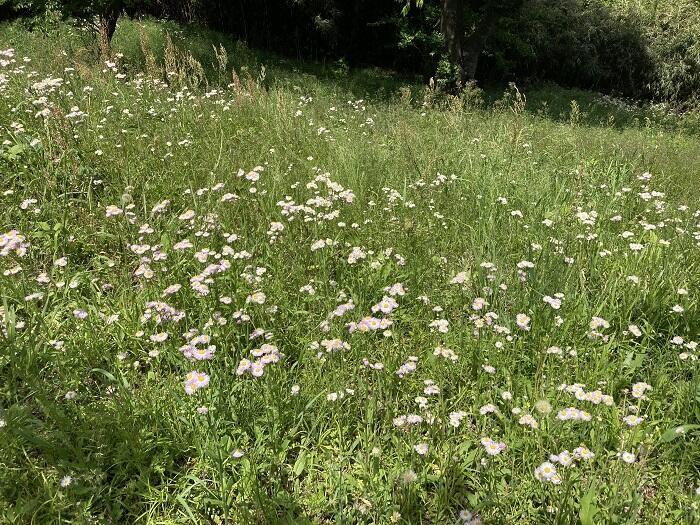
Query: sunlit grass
[[274, 297]]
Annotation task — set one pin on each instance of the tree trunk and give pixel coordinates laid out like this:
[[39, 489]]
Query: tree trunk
[[355, 40], [108, 23], [452, 27], [474, 45], [465, 53]]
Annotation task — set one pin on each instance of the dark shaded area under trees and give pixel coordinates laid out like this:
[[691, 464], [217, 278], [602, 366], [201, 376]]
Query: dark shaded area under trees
[[652, 51]]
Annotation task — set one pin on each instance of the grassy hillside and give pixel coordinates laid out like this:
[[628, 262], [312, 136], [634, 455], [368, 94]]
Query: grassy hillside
[[294, 294]]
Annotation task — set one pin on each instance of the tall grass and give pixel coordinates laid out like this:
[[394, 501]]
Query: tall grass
[[408, 276]]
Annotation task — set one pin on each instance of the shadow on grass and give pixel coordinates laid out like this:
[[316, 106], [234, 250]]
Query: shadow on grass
[[546, 100]]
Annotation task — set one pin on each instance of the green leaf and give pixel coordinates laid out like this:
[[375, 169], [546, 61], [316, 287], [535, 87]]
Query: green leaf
[[587, 508], [15, 151], [677, 431], [105, 373], [187, 508], [300, 464]]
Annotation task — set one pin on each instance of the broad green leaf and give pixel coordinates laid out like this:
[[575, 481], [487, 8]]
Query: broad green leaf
[[587, 508], [675, 432], [300, 464]]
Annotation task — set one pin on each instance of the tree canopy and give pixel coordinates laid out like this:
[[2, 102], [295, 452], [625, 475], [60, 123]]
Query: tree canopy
[[647, 50]]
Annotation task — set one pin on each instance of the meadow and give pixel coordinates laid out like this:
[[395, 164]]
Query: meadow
[[239, 289]]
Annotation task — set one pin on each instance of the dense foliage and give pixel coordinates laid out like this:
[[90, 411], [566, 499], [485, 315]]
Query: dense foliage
[[645, 49], [232, 294]]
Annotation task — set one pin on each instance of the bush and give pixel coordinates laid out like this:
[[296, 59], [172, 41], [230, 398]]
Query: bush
[[673, 34], [649, 51]]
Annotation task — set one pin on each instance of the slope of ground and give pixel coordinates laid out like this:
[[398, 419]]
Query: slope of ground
[[289, 296]]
